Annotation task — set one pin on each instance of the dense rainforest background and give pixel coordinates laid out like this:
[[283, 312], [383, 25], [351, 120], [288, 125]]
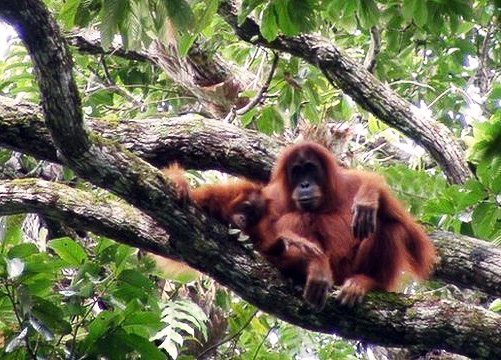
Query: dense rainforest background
[[97, 95]]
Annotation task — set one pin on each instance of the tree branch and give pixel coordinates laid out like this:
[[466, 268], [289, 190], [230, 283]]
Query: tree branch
[[92, 157], [209, 78], [365, 89], [201, 143], [84, 210], [390, 320], [194, 141], [259, 97], [468, 262], [394, 320], [374, 49]]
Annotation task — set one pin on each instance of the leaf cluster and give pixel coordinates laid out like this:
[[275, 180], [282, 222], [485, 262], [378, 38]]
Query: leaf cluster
[[93, 301]]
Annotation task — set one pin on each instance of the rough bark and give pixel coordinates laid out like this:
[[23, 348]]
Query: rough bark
[[194, 141], [201, 143], [389, 320], [464, 260], [100, 213], [94, 158], [365, 89]]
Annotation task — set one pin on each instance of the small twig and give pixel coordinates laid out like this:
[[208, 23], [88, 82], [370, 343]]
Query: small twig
[[412, 82], [259, 97], [374, 49], [231, 116], [229, 338], [35, 171], [262, 341], [445, 92], [107, 75], [113, 87]]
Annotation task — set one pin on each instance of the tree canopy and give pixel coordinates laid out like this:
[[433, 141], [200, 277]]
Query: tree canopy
[[409, 88]]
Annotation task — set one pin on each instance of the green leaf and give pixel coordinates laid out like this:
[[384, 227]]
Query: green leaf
[[470, 194], [247, 7], [22, 250], [368, 13], [105, 322], [184, 43], [495, 305], [408, 8], [462, 8], [311, 113], [111, 14], [484, 219], [68, 12], [12, 231], [68, 174], [103, 243], [180, 13], [87, 271], [146, 318], [301, 13], [420, 13], [86, 12], [122, 254], [108, 254], [136, 279], [270, 121], [204, 13], [269, 26], [134, 25], [69, 251], [284, 21], [248, 118], [435, 18], [144, 347], [491, 168]]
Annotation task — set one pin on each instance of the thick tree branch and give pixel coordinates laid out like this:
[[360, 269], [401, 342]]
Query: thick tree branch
[[365, 89], [465, 260], [201, 143], [84, 210], [194, 141], [392, 320], [92, 157]]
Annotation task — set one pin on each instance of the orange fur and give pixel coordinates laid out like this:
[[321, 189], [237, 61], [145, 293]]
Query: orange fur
[[174, 173], [237, 201], [357, 236], [395, 243]]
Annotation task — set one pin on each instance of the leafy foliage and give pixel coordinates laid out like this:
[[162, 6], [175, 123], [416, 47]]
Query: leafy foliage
[[96, 300], [91, 297], [16, 74]]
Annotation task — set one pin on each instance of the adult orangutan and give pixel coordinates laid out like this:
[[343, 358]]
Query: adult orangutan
[[328, 225], [324, 225]]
